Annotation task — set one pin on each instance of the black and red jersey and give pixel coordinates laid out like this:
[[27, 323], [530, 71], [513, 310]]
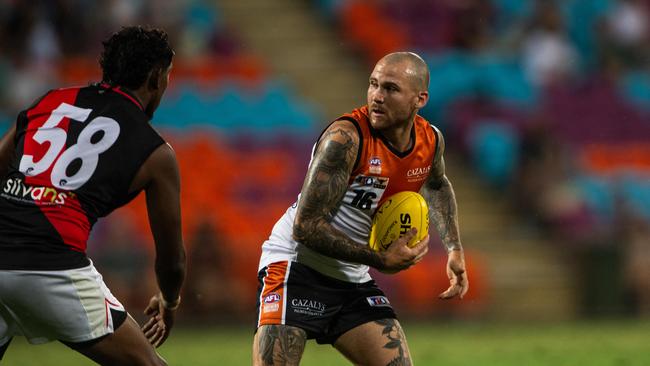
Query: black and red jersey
[[77, 152]]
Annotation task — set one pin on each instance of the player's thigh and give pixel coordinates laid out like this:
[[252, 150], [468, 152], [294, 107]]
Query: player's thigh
[[126, 346], [278, 344], [380, 342]]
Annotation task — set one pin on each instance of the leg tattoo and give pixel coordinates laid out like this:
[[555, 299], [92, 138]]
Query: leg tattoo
[[396, 340], [281, 344]]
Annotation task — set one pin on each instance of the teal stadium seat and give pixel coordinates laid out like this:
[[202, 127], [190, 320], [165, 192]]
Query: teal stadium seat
[[202, 17], [636, 194], [635, 87], [271, 108], [510, 12], [598, 194], [503, 79], [453, 76], [457, 75], [494, 148], [582, 17]]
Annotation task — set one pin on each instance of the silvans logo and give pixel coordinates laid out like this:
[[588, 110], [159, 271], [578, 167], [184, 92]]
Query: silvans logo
[[15, 188], [308, 307]]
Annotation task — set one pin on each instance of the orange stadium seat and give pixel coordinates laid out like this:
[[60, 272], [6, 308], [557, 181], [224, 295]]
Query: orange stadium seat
[[362, 23], [203, 71], [606, 158]]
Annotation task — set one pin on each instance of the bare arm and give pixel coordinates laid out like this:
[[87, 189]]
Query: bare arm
[[321, 195], [7, 147], [443, 212], [160, 179], [164, 209]]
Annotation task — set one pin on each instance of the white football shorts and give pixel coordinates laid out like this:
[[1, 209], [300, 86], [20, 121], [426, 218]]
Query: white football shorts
[[70, 305]]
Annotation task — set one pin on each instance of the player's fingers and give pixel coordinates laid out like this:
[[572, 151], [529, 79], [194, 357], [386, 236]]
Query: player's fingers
[[155, 338], [464, 285], [424, 242], [421, 247], [447, 294], [450, 292], [162, 339], [151, 309], [420, 255], [163, 336], [155, 327], [458, 271], [151, 331], [150, 323], [406, 238]]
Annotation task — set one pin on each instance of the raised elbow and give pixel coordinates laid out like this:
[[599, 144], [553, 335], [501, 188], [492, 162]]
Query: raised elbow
[[300, 231]]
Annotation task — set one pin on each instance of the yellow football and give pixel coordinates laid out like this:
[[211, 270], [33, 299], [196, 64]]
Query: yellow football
[[397, 215]]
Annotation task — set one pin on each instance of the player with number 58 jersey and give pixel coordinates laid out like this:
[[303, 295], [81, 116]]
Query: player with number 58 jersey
[[77, 151], [73, 157]]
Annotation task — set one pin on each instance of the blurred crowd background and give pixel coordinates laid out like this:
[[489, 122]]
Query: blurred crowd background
[[545, 106]]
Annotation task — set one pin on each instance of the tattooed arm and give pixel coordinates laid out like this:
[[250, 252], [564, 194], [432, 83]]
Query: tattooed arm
[[320, 198], [439, 194], [443, 213]]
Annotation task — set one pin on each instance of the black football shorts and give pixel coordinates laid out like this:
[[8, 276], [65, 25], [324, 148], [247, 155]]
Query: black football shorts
[[294, 294]]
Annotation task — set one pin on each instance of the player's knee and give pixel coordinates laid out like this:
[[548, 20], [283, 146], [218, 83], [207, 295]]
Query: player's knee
[[279, 342]]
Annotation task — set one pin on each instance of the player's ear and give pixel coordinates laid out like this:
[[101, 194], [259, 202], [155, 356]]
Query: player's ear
[[423, 98], [154, 78]]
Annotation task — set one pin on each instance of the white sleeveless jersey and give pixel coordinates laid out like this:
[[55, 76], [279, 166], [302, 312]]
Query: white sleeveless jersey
[[380, 171]]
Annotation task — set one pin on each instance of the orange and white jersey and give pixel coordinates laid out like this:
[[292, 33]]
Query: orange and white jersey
[[380, 171]]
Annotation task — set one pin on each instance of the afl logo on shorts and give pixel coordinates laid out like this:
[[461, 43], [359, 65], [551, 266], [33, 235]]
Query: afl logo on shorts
[[271, 302], [271, 298], [375, 165]]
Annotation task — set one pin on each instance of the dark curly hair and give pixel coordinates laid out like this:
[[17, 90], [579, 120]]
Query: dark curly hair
[[130, 54]]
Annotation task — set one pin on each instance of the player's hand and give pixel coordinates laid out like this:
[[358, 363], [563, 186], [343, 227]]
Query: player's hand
[[399, 256], [458, 284], [161, 320]]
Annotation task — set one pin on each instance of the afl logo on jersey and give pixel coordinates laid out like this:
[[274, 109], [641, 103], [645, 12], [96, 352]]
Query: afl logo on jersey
[[375, 165]]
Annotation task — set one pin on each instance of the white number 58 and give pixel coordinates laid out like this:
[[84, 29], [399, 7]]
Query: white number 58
[[85, 150]]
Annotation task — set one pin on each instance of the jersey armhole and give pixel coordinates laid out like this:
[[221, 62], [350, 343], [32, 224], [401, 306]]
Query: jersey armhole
[[356, 125], [437, 133], [147, 153]]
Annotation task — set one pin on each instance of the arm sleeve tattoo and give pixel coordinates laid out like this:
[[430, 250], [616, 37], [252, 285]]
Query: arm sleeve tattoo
[[439, 194], [321, 195]]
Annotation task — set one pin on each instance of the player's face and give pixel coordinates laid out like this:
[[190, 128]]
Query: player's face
[[162, 82], [392, 97]]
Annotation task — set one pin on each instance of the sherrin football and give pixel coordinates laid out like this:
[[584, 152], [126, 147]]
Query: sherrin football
[[396, 216]]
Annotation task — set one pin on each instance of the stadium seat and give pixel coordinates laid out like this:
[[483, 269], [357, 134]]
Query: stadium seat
[[599, 195], [636, 88], [504, 80], [494, 149], [636, 193]]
